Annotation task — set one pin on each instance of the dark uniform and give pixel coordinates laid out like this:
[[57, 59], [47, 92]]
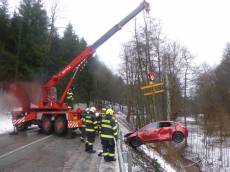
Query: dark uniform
[[83, 137], [108, 134], [99, 118], [90, 131]]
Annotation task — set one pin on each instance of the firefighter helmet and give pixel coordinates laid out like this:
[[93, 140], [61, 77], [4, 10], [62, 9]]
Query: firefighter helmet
[[103, 110], [87, 109], [109, 111], [92, 109]]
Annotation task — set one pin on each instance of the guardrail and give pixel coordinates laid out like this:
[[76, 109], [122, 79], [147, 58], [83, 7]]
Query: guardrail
[[124, 156]]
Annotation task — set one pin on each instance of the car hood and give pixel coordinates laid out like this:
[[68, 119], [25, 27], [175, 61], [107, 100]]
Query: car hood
[[128, 134]]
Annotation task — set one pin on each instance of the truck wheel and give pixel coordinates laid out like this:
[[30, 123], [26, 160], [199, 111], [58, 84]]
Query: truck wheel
[[135, 142], [178, 137], [22, 127], [47, 125], [60, 125]]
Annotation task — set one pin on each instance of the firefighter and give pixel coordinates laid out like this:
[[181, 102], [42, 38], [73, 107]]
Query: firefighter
[[82, 137], [90, 129], [108, 134], [101, 115], [70, 98]]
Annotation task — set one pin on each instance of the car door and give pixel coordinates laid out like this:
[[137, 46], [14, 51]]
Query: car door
[[165, 131], [149, 133]]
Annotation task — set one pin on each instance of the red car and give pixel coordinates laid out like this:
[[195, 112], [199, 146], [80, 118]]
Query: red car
[[157, 132]]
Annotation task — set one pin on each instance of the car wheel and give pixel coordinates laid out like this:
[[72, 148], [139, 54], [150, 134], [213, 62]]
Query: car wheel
[[135, 142], [178, 137]]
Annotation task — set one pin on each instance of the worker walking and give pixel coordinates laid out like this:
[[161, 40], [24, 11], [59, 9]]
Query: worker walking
[[90, 129], [108, 134]]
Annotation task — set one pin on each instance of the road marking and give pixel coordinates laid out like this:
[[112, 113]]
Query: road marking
[[23, 147]]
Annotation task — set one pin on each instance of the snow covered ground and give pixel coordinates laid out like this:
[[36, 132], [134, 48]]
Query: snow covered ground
[[154, 155], [212, 154], [5, 123]]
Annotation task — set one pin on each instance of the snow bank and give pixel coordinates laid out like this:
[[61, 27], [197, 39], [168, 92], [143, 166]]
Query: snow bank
[[154, 155], [5, 123]]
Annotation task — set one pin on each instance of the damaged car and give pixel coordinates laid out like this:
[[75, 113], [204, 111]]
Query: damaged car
[[157, 132]]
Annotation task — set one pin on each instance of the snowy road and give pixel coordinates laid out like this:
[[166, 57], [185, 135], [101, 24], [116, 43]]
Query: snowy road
[[34, 152]]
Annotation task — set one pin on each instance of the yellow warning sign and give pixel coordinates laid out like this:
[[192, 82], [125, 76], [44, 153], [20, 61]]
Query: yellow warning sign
[[151, 85], [153, 92]]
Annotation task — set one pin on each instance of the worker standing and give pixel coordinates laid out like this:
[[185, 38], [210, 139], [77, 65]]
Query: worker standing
[[101, 115], [83, 137], [90, 129], [70, 98], [108, 134]]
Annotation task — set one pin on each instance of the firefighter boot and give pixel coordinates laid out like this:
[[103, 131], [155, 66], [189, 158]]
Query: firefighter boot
[[106, 158], [82, 139], [91, 149], [86, 147], [112, 159], [100, 154]]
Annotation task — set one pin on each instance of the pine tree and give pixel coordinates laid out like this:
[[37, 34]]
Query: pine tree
[[7, 59], [34, 38]]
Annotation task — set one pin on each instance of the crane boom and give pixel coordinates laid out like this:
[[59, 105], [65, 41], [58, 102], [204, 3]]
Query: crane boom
[[117, 27], [89, 51]]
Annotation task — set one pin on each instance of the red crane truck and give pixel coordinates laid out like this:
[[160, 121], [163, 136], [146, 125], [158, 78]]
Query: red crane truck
[[50, 113]]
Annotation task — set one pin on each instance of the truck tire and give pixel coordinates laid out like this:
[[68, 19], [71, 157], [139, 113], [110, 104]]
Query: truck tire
[[22, 127], [60, 125], [47, 125], [178, 137], [135, 142]]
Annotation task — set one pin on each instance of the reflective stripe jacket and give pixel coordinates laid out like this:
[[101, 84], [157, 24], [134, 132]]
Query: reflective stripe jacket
[[108, 128], [99, 121], [70, 95], [83, 119], [90, 122]]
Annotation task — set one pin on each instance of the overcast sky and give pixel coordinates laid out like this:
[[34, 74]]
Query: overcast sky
[[201, 25]]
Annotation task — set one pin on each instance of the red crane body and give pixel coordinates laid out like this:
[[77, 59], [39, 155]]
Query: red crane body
[[50, 113]]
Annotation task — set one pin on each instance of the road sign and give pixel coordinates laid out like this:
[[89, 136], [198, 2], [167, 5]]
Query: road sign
[[153, 92], [154, 84], [151, 75]]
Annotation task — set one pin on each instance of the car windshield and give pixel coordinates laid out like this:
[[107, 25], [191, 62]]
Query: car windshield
[[151, 126]]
